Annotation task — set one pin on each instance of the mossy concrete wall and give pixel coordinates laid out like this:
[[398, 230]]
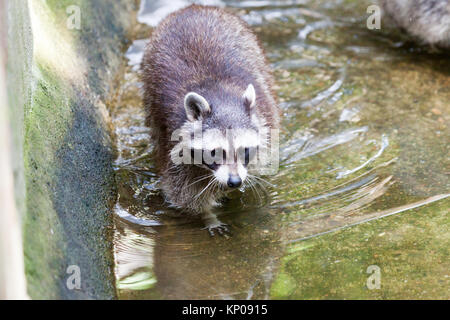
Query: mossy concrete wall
[[62, 57]]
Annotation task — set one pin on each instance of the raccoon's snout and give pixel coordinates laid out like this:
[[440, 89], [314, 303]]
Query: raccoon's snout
[[230, 177], [234, 181]]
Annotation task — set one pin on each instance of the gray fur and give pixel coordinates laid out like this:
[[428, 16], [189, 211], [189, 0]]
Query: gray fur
[[427, 20]]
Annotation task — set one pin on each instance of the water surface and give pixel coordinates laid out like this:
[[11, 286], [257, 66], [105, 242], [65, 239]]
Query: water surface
[[363, 177]]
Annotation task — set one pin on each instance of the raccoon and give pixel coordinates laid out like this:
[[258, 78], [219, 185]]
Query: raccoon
[[206, 75], [427, 20]]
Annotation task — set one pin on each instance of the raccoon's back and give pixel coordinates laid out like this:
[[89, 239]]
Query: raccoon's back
[[193, 46]]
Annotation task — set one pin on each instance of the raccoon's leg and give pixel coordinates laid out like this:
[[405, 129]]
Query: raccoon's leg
[[213, 224], [182, 198]]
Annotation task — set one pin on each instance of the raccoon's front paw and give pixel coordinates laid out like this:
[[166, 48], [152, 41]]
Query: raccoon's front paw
[[214, 225], [217, 227]]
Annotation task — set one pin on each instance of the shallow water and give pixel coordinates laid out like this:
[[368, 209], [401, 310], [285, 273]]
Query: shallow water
[[363, 177]]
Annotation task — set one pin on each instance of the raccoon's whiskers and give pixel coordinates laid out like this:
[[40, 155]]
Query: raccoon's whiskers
[[213, 187], [261, 179], [201, 178], [205, 188], [263, 188], [255, 190], [174, 169]]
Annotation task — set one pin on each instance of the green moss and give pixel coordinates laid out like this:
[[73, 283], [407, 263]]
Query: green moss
[[410, 249], [46, 124]]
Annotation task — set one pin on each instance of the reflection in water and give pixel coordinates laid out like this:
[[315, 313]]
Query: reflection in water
[[134, 259], [303, 33], [384, 145], [298, 149], [358, 220], [365, 136]]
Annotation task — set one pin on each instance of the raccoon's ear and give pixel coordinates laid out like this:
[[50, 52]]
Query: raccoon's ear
[[196, 106], [249, 96]]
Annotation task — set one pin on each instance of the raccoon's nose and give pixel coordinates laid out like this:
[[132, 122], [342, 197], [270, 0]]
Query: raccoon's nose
[[234, 181]]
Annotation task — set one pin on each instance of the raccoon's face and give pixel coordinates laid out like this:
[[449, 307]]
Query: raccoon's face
[[227, 155], [225, 138]]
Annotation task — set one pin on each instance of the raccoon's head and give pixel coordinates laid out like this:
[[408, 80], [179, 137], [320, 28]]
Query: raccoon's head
[[225, 133]]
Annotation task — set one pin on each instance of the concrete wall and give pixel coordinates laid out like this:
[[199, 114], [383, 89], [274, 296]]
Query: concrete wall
[[12, 279], [58, 76]]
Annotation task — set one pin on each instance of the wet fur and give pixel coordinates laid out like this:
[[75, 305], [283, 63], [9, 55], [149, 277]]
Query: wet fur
[[427, 20], [213, 53]]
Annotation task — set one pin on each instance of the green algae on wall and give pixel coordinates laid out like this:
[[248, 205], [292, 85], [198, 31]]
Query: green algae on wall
[[58, 81]]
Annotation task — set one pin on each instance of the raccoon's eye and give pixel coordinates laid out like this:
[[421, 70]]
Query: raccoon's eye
[[219, 151], [210, 157], [246, 154]]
